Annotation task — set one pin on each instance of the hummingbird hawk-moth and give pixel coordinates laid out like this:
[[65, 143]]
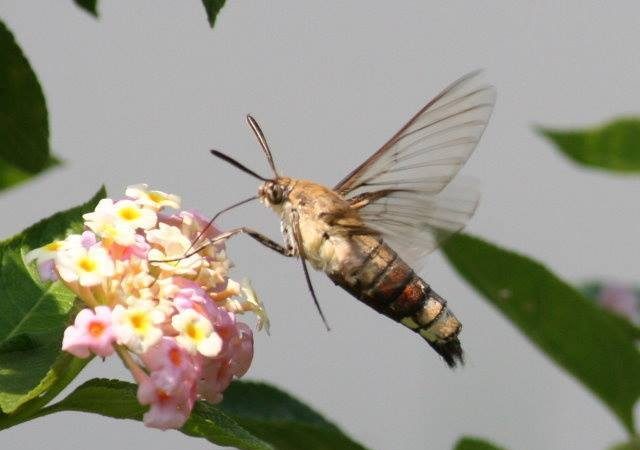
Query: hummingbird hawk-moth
[[370, 232]]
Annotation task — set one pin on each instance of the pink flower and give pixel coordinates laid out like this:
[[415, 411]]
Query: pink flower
[[192, 224], [88, 239], [199, 222], [47, 270], [173, 363], [243, 350], [216, 377], [192, 296], [218, 373], [189, 294], [90, 333], [140, 248], [621, 300], [170, 408]]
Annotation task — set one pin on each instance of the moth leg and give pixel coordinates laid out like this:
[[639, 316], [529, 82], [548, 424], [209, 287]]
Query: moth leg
[[298, 238], [264, 240], [213, 219], [268, 242]]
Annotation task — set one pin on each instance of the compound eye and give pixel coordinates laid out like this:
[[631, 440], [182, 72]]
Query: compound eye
[[275, 194]]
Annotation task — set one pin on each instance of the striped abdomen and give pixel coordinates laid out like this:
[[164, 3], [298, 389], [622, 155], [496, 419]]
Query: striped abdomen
[[377, 276]]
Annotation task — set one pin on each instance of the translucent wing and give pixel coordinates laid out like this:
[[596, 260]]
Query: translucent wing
[[415, 223], [401, 190]]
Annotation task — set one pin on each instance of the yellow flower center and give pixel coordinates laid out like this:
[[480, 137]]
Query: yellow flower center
[[54, 246], [156, 196], [129, 213], [139, 321], [194, 332], [87, 264]]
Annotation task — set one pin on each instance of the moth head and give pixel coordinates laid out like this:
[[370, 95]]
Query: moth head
[[274, 192]]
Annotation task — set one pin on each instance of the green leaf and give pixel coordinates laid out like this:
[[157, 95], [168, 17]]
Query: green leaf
[[595, 346], [117, 399], [634, 444], [212, 7], [90, 6], [24, 127], [472, 443], [278, 418], [592, 290], [64, 370], [612, 146], [11, 176], [209, 422], [253, 416], [33, 314]]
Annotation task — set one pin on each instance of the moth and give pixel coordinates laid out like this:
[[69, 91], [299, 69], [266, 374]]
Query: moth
[[371, 231]]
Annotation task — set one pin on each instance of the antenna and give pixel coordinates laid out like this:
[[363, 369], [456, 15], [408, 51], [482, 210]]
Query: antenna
[[236, 164], [263, 142]]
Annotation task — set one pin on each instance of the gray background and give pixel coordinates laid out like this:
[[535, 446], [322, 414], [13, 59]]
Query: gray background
[[141, 94]]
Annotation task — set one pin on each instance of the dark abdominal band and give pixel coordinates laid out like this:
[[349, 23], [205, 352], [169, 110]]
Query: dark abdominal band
[[383, 281]]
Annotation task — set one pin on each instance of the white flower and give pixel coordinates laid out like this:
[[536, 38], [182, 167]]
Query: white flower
[[134, 280], [44, 253], [137, 326], [249, 301], [119, 221], [175, 245], [103, 221], [152, 199], [196, 333], [256, 305], [170, 238], [89, 267], [212, 274], [180, 266], [135, 215]]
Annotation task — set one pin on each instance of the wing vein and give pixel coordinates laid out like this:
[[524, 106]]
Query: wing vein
[[405, 191]]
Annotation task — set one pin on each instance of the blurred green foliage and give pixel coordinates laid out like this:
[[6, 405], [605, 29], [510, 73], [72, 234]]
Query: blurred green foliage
[[613, 146], [212, 7], [24, 123], [594, 345], [473, 443], [90, 6]]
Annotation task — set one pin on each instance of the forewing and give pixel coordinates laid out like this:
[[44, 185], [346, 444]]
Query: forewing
[[403, 190], [431, 148]]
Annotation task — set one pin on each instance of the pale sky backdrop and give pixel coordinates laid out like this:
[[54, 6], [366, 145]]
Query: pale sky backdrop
[[141, 95]]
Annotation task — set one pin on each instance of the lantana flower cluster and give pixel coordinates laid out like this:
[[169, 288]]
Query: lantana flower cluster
[[170, 313]]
